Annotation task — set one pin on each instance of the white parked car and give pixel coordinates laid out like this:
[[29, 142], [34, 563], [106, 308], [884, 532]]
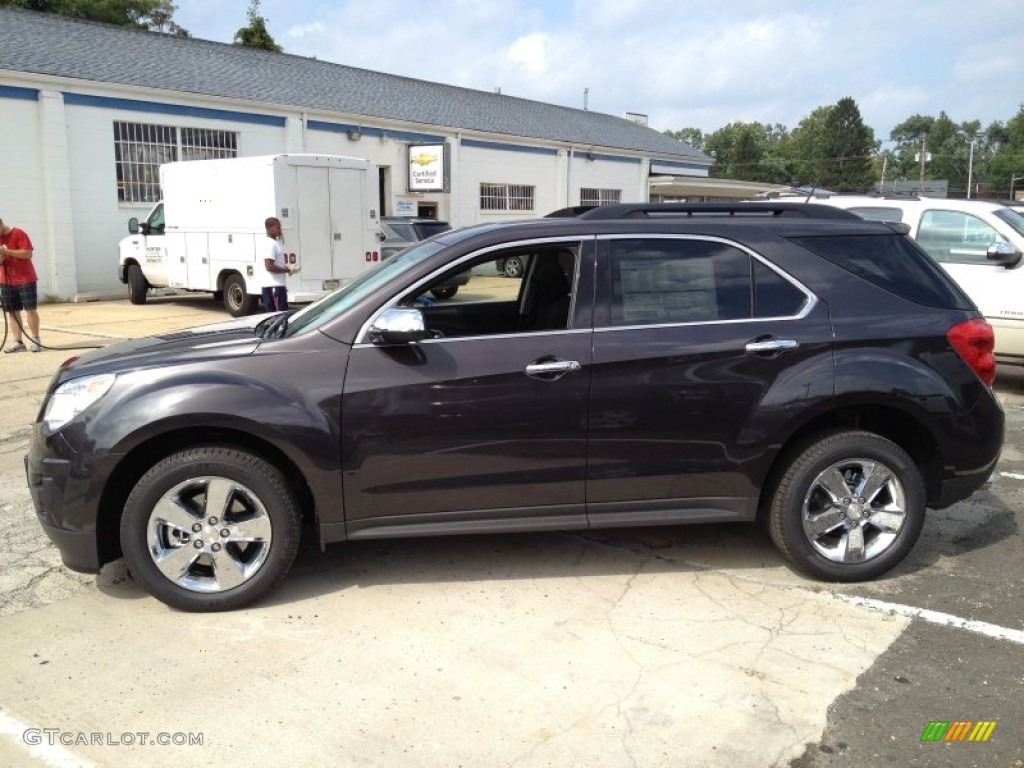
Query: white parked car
[[979, 243]]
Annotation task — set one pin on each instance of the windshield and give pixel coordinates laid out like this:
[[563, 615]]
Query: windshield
[[1012, 217], [334, 304]]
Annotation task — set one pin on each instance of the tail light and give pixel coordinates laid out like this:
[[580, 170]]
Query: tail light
[[974, 341]]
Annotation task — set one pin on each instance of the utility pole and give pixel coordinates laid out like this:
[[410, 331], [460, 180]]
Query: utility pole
[[923, 154]]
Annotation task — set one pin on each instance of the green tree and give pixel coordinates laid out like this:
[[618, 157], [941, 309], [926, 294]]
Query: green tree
[[846, 149], [748, 151], [833, 149], [154, 15], [692, 136], [911, 137], [256, 35], [1005, 143], [802, 149]]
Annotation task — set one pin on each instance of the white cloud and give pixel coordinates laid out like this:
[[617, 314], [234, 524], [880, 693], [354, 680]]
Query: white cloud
[[529, 54], [299, 31], [682, 63]]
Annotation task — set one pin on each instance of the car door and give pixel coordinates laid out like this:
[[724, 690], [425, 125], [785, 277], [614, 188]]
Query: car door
[[480, 429], [959, 241], [702, 354]]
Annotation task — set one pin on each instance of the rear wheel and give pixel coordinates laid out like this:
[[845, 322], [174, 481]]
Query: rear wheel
[[236, 301], [445, 293], [848, 507], [210, 529], [137, 286]]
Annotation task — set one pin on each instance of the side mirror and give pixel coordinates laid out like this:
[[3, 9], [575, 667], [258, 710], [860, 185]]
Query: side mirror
[[133, 226], [398, 325], [381, 237], [1004, 254]]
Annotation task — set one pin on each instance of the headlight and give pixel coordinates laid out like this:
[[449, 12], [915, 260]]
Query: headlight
[[73, 397]]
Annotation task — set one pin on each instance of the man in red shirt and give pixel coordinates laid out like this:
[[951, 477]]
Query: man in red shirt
[[18, 287]]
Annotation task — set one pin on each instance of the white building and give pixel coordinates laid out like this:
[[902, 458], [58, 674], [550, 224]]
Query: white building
[[89, 111]]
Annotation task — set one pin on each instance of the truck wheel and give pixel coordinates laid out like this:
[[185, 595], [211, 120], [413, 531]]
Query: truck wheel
[[211, 528], [847, 507], [445, 293], [236, 301], [137, 287]]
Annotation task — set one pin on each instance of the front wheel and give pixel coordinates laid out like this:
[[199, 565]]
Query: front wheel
[[445, 293], [137, 285], [236, 301], [210, 529], [848, 506]]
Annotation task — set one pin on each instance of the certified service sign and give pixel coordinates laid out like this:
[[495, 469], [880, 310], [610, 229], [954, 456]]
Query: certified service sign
[[427, 168]]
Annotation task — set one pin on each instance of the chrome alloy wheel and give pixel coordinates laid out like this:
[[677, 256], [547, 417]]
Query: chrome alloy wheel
[[854, 510], [209, 534]]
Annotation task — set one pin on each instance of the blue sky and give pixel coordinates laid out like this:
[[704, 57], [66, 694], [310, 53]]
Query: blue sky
[[682, 63]]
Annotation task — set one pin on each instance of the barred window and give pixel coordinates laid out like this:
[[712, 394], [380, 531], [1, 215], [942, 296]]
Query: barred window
[[600, 196], [140, 149], [207, 144], [506, 197]]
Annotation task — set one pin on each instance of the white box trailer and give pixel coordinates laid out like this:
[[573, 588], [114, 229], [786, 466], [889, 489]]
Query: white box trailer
[[207, 234]]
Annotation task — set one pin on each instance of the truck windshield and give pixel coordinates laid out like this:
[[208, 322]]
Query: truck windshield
[[1012, 217], [337, 302]]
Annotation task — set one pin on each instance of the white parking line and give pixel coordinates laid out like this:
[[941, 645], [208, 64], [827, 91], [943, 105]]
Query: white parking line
[[51, 755], [936, 617]]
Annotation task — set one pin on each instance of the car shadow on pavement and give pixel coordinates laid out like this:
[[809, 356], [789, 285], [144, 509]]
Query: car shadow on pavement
[[741, 550]]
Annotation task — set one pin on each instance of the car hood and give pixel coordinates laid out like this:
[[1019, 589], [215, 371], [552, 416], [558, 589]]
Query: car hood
[[205, 342]]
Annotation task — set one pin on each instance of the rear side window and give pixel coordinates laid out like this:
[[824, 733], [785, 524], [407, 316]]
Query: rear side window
[[891, 262], [655, 281], [873, 213]]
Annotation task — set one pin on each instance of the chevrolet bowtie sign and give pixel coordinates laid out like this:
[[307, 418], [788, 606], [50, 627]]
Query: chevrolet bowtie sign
[[427, 168]]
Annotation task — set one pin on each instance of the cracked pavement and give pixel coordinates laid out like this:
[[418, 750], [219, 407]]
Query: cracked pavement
[[647, 647]]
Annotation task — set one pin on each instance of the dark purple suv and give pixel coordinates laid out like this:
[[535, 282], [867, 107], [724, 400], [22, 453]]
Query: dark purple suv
[[656, 365]]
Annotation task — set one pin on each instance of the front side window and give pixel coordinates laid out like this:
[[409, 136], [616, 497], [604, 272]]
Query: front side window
[[956, 236], [506, 197], [542, 301], [141, 148]]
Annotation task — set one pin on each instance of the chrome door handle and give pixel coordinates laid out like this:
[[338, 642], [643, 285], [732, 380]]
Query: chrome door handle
[[554, 366], [772, 345]]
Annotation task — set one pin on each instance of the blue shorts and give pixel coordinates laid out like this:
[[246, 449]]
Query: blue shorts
[[14, 298], [275, 298]]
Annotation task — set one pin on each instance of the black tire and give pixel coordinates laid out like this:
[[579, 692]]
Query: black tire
[[236, 301], [848, 506], [513, 266], [445, 293], [137, 285], [212, 560]]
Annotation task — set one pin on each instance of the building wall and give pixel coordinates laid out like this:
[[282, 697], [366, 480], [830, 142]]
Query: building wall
[[58, 141]]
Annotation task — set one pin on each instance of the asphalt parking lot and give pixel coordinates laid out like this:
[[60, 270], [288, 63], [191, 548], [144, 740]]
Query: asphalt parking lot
[[687, 646]]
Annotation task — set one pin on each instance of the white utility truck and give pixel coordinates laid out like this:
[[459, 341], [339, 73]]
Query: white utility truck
[[207, 234]]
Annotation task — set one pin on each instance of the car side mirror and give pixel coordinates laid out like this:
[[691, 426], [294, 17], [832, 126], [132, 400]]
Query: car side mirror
[[133, 226], [381, 237], [399, 325], [1004, 254]]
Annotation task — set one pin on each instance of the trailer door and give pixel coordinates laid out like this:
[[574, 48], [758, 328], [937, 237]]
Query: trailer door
[[348, 204], [313, 243]]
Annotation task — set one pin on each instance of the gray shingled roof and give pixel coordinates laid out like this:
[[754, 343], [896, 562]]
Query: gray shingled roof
[[55, 45]]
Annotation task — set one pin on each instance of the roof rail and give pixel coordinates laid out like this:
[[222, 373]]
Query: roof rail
[[745, 209]]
